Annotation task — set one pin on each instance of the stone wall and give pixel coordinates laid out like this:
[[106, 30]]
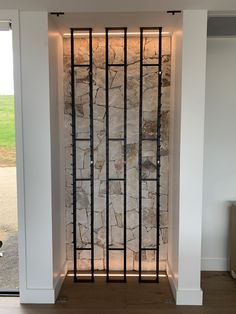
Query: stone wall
[[116, 151]]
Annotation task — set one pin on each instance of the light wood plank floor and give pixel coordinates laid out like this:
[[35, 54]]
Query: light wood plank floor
[[101, 298]]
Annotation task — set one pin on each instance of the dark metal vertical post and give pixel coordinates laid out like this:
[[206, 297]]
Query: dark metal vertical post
[[107, 156], [89, 139], [158, 153], [140, 151], [124, 139], [91, 149], [73, 124], [125, 149]]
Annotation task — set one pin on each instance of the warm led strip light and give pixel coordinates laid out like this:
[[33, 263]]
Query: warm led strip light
[[117, 34], [117, 275]]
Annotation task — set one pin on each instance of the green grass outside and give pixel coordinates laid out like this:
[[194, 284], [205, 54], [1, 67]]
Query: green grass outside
[[7, 122], [7, 131]]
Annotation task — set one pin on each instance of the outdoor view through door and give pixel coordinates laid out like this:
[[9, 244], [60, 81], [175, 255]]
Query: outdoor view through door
[[9, 281]]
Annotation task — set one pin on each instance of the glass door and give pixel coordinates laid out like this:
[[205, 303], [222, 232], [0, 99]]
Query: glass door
[[9, 281]]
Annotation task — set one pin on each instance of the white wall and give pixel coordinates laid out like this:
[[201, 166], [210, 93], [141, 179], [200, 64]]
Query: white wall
[[186, 189], [57, 152], [174, 153], [219, 152]]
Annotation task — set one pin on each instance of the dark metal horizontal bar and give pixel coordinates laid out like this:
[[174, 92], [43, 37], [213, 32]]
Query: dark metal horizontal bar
[[116, 249], [116, 280], [84, 249], [10, 293], [85, 280], [116, 179], [81, 29], [150, 64], [148, 179], [83, 179], [149, 249], [82, 139], [115, 28], [116, 65], [116, 139], [81, 65], [156, 280], [149, 139], [150, 28]]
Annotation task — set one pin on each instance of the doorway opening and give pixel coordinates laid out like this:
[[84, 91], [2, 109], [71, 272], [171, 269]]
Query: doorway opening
[[9, 273]]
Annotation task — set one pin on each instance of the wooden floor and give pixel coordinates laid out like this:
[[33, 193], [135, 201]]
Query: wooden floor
[[101, 298]]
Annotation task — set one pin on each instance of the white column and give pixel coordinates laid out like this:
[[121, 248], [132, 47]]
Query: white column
[[185, 278], [38, 286]]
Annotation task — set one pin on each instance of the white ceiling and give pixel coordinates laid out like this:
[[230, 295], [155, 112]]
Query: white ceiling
[[118, 5]]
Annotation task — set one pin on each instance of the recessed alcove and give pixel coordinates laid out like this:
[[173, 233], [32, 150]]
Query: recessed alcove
[[133, 22]]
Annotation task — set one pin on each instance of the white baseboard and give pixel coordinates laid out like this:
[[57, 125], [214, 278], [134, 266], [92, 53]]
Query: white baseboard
[[44, 296], [37, 296], [189, 297], [172, 280], [215, 264], [59, 281], [184, 296]]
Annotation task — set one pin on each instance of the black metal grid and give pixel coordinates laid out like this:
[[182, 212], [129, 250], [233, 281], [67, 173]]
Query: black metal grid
[[158, 152], [75, 140], [108, 140]]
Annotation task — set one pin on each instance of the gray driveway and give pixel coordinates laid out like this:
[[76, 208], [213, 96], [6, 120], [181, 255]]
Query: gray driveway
[[8, 229]]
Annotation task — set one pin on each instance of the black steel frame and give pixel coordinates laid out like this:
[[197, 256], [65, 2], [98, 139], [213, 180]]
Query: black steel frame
[[75, 140], [11, 293], [158, 152], [108, 139]]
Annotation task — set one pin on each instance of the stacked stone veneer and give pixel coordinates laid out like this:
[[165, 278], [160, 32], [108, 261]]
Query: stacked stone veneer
[[116, 151]]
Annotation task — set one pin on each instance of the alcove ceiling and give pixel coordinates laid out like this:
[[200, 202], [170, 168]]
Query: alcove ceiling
[[132, 20]]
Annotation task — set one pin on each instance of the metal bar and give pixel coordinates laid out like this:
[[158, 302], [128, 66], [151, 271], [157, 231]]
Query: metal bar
[[149, 139], [149, 179], [116, 65], [125, 151], [91, 148], [158, 153], [82, 66], [115, 280], [83, 179], [107, 155], [10, 293], [108, 139], [73, 125], [140, 152], [79, 29], [83, 280], [116, 249], [74, 140], [148, 280], [83, 248], [150, 29], [158, 161], [116, 179], [115, 28], [151, 64], [116, 139]]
